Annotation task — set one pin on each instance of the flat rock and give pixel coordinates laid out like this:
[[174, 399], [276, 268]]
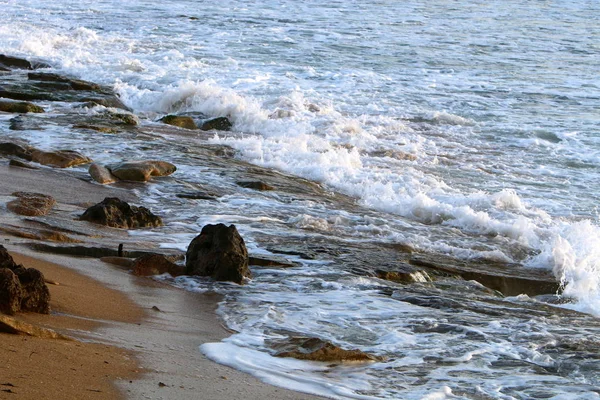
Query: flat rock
[[31, 204], [141, 171], [21, 164], [59, 158], [13, 149], [256, 185], [17, 327], [116, 213], [270, 261], [314, 349], [74, 84], [155, 264], [20, 63], [21, 107], [101, 174]]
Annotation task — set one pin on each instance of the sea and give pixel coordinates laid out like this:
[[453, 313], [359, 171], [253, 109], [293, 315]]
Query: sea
[[458, 128]]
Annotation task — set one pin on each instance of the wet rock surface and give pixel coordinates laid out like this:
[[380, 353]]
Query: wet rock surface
[[155, 264], [21, 107], [116, 213], [59, 158], [314, 349], [219, 252], [141, 171], [31, 204]]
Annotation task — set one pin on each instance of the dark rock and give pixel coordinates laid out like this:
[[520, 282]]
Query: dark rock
[[6, 260], [220, 252], [24, 123], [119, 214], [21, 164], [36, 296], [13, 149], [314, 349], [21, 63], [19, 107], [179, 121], [101, 174], [94, 252], [155, 264], [11, 293], [31, 204], [111, 101], [197, 196], [141, 171], [256, 185], [73, 84], [403, 273], [59, 158], [270, 261], [219, 124]]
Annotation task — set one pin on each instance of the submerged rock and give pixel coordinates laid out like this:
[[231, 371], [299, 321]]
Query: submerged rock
[[256, 185], [141, 171], [21, 107], [155, 264], [10, 292], [59, 158], [179, 121], [116, 213], [314, 349], [31, 204], [219, 252]]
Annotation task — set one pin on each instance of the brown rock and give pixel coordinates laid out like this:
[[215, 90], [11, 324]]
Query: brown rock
[[119, 214], [21, 164], [6, 260], [31, 204], [256, 185], [13, 149], [179, 121], [155, 264], [19, 107], [404, 273], [10, 292], [220, 252], [60, 158], [101, 174], [219, 124], [36, 296], [16, 327], [314, 349], [141, 171]]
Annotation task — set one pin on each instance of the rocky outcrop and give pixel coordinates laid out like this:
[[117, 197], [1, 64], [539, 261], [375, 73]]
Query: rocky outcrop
[[21, 107], [10, 292], [141, 171], [219, 252], [116, 213], [314, 349], [59, 158], [20, 63], [155, 264], [179, 121], [31, 204], [101, 174]]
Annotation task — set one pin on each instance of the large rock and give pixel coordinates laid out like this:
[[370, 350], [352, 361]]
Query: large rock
[[116, 213], [36, 296], [31, 204], [219, 124], [155, 264], [179, 121], [101, 174], [10, 292], [141, 171], [19, 107], [73, 84], [20, 63], [219, 252], [13, 149], [60, 158], [6, 260], [314, 349]]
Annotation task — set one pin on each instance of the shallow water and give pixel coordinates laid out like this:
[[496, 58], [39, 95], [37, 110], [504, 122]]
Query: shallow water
[[462, 129]]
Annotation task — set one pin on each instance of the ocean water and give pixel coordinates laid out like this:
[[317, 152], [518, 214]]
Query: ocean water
[[462, 128]]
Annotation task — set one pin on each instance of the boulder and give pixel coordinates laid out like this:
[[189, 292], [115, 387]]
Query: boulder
[[314, 349], [179, 121], [155, 264], [31, 204], [19, 107], [6, 260], [10, 292], [219, 252], [116, 213], [256, 185], [13, 149], [141, 171], [219, 124], [101, 174], [20, 63], [36, 296], [59, 158]]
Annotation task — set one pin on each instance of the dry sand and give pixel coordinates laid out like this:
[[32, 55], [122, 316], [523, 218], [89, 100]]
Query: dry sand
[[125, 348]]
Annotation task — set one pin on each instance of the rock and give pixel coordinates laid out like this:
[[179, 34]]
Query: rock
[[155, 264], [219, 124], [6, 260], [74, 84], [256, 185], [31, 204], [10, 292], [19, 107], [21, 63], [119, 214], [13, 149], [36, 296], [270, 261], [24, 123], [101, 174], [111, 101], [314, 349], [59, 158], [141, 171], [97, 128], [179, 121], [197, 196], [220, 252], [403, 273], [16, 327], [21, 164]]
